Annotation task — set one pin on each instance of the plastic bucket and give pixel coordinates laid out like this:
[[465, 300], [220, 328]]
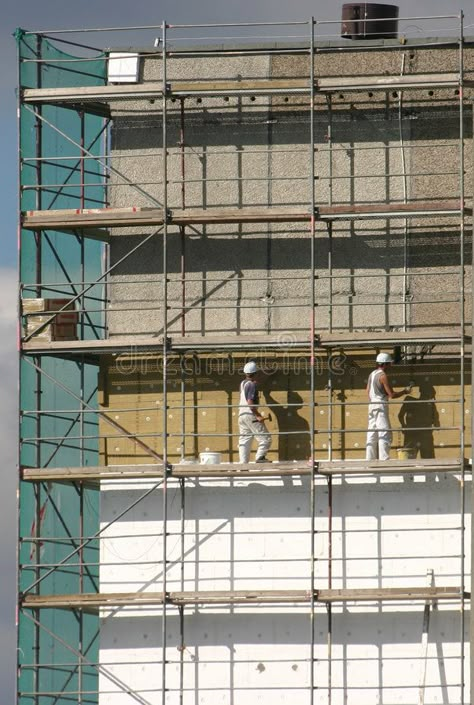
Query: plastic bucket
[[209, 458], [406, 453]]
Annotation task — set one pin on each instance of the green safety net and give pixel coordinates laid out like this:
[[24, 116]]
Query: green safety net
[[53, 265]]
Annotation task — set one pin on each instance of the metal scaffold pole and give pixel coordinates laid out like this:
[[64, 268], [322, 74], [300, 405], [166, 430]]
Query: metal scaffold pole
[[312, 357], [462, 381], [80, 485], [165, 363], [182, 646], [19, 661], [471, 427], [38, 381], [330, 391]]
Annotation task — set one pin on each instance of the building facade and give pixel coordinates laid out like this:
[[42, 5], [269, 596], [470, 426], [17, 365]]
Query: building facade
[[304, 204]]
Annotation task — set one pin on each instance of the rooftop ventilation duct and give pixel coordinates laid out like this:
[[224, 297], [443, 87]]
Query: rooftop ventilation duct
[[366, 20]]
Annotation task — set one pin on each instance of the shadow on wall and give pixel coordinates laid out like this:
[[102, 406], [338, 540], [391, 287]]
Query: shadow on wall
[[260, 651], [374, 250], [427, 121], [294, 441], [420, 413]]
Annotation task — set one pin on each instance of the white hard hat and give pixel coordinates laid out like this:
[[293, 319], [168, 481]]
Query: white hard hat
[[250, 368], [383, 358]]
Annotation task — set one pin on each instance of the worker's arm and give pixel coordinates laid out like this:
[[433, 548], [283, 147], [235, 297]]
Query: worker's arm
[[254, 410], [389, 391]]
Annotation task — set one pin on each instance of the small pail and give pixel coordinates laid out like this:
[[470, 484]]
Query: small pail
[[209, 458], [406, 453]]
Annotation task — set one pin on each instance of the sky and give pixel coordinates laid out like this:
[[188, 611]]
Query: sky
[[47, 15]]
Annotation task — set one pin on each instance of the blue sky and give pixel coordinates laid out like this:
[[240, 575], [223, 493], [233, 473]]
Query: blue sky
[[53, 14]]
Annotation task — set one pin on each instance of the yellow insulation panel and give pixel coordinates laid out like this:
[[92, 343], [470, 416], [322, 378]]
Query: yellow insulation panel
[[208, 387]]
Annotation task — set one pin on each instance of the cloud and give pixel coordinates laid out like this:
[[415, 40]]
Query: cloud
[[8, 368], [8, 475]]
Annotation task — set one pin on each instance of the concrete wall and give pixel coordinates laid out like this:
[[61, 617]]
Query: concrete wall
[[255, 151]]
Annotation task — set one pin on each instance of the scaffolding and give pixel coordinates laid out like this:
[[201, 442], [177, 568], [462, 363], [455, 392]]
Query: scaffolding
[[73, 212]]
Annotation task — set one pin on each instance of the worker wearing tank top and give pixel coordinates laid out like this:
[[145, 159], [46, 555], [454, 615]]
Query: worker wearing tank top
[[251, 422], [379, 391]]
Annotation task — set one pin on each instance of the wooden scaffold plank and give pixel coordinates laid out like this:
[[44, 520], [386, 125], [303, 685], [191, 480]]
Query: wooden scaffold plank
[[91, 601], [284, 341], [133, 216], [237, 86], [243, 471]]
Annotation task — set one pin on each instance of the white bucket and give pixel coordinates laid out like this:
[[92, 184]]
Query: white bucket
[[209, 458]]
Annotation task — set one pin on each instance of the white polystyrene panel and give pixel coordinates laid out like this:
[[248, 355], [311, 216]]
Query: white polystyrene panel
[[123, 67], [257, 534]]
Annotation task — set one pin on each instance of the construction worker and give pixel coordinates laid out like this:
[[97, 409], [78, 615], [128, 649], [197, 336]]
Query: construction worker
[[251, 421], [379, 391]]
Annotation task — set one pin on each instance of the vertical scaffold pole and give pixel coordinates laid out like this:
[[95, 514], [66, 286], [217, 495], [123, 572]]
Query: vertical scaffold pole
[[81, 363], [19, 382], [330, 392], [182, 483], [329, 606], [462, 346], [38, 168], [182, 229], [38, 381], [471, 631], [165, 360], [182, 234], [106, 251], [312, 354]]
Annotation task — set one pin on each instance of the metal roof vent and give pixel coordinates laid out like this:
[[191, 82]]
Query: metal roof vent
[[367, 20]]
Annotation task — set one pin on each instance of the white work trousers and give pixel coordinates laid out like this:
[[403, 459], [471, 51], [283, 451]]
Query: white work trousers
[[379, 435], [249, 429]]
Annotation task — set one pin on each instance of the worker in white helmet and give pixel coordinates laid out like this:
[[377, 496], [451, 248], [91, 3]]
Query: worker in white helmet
[[379, 391], [251, 421]]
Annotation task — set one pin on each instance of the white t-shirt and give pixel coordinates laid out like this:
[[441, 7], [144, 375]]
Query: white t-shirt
[[377, 393], [248, 392]]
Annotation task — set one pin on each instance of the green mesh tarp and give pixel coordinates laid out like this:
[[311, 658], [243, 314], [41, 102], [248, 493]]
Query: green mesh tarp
[[51, 670]]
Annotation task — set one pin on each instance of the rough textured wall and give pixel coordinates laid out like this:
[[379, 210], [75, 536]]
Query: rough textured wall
[[246, 151]]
